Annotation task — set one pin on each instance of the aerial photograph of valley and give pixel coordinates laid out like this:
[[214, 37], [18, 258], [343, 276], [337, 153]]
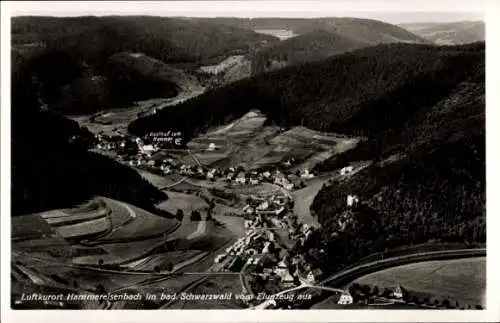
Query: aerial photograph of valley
[[169, 161]]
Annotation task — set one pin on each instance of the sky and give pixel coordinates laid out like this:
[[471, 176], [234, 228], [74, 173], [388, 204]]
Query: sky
[[392, 11]]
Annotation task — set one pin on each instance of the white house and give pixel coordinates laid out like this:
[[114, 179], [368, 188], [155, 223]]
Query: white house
[[219, 258], [265, 249], [346, 170], [241, 179], [254, 181], [398, 292], [279, 211], [281, 269], [266, 174], [352, 199], [263, 206], [306, 174], [248, 224], [211, 147], [345, 299]]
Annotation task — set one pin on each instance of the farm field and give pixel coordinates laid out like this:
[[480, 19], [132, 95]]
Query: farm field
[[84, 229], [462, 280], [186, 202], [144, 225], [175, 258], [30, 227]]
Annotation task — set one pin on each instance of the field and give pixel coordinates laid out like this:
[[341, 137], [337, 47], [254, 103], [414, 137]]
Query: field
[[144, 225], [185, 202], [462, 280]]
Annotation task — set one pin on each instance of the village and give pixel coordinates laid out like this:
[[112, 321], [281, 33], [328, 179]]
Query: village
[[270, 257], [141, 153]]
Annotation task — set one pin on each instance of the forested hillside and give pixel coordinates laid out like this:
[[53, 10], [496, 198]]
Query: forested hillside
[[431, 190], [51, 167], [312, 46], [361, 93]]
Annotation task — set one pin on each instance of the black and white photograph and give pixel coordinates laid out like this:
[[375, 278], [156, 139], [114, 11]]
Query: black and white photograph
[[182, 156]]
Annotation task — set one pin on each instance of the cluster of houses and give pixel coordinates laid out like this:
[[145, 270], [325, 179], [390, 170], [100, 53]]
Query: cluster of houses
[[110, 143], [275, 205]]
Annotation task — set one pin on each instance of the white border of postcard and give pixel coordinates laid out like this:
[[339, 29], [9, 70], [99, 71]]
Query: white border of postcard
[[262, 8]]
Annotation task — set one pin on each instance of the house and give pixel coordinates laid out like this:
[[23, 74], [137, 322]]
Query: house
[[279, 211], [211, 147], [267, 270], [282, 268], [248, 223], [345, 299], [398, 292], [254, 181], [352, 199], [263, 206], [147, 149], [241, 179], [306, 174], [346, 170], [265, 249], [287, 280], [248, 209], [211, 174], [314, 275], [219, 258], [266, 174]]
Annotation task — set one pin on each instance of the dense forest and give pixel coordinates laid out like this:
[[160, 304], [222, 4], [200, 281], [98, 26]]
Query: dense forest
[[361, 93], [312, 46], [51, 167]]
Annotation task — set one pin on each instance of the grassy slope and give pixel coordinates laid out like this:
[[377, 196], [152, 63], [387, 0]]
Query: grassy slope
[[462, 280]]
